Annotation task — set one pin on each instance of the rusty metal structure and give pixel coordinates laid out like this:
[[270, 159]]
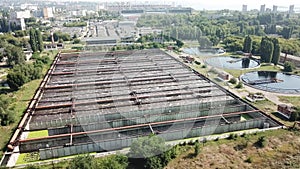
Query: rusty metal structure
[[102, 101]]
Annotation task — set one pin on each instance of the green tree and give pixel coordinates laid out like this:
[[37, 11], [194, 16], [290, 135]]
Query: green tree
[[148, 152], [248, 44], [15, 55], [22, 74], [276, 52], [266, 50], [287, 32], [6, 112], [197, 148], [39, 40], [33, 40], [82, 162], [288, 66]]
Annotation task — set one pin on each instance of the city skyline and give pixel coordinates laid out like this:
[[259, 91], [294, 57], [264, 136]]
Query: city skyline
[[214, 4]]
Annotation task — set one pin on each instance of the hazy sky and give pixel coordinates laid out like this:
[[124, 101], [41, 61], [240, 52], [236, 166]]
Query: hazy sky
[[222, 4], [237, 4]]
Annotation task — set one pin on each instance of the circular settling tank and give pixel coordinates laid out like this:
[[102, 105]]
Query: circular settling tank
[[200, 52], [273, 81], [232, 63]]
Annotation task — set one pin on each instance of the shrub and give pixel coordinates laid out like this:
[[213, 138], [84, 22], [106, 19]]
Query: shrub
[[82, 162], [248, 160], [197, 149], [232, 136], [204, 66], [197, 62], [288, 66], [233, 80], [261, 142], [239, 85], [76, 41]]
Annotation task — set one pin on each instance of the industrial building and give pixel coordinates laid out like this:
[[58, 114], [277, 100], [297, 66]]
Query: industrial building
[[102, 101]]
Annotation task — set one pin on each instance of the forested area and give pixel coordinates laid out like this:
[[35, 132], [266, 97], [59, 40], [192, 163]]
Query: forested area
[[19, 71], [229, 29]]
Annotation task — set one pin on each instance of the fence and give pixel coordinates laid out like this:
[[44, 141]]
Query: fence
[[113, 144]]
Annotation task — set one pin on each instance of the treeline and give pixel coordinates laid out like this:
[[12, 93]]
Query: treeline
[[149, 152], [236, 43], [6, 26], [217, 28], [58, 36], [24, 73], [75, 24]]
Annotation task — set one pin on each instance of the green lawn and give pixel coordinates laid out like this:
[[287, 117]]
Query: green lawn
[[238, 73], [26, 158], [37, 134]]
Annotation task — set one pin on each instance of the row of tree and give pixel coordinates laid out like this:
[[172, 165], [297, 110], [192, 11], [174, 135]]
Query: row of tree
[[270, 50], [36, 40]]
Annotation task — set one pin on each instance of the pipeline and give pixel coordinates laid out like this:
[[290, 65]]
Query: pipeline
[[137, 126], [31, 106]]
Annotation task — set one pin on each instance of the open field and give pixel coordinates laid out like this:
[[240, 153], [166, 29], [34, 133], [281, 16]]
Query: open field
[[294, 100], [281, 151]]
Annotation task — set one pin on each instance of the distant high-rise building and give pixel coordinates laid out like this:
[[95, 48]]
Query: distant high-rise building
[[244, 8], [47, 13], [292, 9], [275, 8], [262, 8]]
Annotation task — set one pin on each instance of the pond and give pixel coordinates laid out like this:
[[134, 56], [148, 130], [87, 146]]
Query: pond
[[232, 63], [273, 81]]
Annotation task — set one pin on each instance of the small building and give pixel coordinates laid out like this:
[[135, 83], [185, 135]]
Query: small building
[[50, 46], [188, 59], [101, 41], [253, 97], [28, 54], [285, 110], [224, 76]]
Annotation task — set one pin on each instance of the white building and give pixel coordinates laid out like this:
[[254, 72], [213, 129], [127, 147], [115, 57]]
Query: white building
[[17, 18]]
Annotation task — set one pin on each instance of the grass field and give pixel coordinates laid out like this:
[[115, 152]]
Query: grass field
[[295, 101], [238, 73], [281, 151]]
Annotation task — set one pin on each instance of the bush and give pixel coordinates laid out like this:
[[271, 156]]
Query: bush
[[261, 142], [248, 160], [204, 66], [197, 62], [82, 162], [232, 136], [233, 80], [197, 149], [76, 41], [239, 85], [288, 66]]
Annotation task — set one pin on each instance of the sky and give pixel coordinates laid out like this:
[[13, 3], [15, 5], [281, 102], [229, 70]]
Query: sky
[[220, 4], [237, 4]]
